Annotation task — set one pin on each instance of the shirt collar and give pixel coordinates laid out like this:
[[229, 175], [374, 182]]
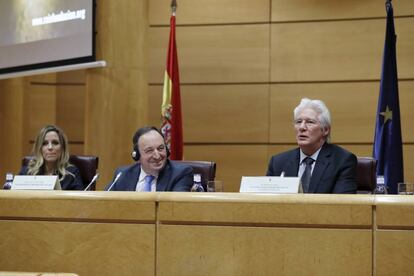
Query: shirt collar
[[313, 156], [143, 174]]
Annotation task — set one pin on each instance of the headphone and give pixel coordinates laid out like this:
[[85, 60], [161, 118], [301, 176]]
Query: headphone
[[135, 150]]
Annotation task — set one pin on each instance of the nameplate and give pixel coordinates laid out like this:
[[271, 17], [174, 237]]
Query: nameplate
[[269, 184], [36, 182]]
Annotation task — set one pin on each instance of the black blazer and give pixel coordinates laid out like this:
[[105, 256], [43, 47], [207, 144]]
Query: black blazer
[[70, 182], [334, 171], [173, 177]]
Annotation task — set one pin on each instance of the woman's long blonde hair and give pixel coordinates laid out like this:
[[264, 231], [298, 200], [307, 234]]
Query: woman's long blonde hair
[[37, 163]]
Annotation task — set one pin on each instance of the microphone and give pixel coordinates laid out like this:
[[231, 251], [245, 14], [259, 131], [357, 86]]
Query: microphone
[[95, 177], [115, 180]]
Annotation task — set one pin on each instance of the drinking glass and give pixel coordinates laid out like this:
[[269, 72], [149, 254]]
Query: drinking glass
[[405, 188], [215, 186]]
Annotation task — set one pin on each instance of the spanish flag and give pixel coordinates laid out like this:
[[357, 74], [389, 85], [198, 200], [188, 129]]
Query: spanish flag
[[171, 102]]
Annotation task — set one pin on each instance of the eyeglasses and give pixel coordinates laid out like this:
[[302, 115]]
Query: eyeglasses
[[308, 123]]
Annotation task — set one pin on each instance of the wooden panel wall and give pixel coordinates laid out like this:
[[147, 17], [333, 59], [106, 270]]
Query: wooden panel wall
[[245, 65], [211, 12], [57, 99], [99, 109], [11, 122], [117, 95], [31, 103]]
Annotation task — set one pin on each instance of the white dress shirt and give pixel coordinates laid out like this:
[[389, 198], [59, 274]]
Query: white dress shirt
[[141, 182], [302, 164]]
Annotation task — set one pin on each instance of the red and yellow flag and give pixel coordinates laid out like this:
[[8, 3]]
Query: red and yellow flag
[[171, 102]]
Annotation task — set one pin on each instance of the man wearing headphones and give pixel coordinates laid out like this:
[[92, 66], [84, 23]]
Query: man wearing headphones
[[153, 171]]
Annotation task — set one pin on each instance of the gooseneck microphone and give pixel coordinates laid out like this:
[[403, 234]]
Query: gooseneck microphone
[[115, 180], [95, 177]]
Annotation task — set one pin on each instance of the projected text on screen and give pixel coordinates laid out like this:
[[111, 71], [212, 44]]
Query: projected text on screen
[[44, 33], [60, 17]]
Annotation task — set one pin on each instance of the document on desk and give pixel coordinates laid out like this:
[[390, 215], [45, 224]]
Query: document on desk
[[269, 184], [36, 182]]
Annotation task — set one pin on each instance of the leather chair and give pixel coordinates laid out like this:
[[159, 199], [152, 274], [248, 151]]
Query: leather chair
[[366, 175], [87, 165], [207, 170]]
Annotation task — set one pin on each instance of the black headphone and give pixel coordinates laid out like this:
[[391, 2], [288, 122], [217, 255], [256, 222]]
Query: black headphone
[[135, 151]]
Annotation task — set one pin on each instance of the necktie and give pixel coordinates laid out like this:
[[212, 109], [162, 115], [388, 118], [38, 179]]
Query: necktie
[[147, 182], [307, 173]]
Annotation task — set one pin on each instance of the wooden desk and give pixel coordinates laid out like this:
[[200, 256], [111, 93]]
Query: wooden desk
[[127, 233], [394, 236], [88, 233], [244, 234], [14, 273]]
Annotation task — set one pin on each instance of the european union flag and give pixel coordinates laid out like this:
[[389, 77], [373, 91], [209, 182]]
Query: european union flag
[[388, 142]]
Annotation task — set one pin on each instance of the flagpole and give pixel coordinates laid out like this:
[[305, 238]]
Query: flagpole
[[171, 126], [173, 7], [387, 4]]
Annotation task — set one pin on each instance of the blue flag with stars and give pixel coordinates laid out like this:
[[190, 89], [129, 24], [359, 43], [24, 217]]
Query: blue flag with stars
[[388, 142]]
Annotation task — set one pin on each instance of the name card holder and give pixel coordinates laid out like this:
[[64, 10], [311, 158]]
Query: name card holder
[[36, 182], [270, 184]]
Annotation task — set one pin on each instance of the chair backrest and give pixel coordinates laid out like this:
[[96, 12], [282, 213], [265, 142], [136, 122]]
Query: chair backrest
[[207, 170], [366, 175], [87, 165]]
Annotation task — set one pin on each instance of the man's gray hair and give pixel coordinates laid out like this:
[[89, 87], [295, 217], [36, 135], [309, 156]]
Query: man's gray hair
[[320, 108]]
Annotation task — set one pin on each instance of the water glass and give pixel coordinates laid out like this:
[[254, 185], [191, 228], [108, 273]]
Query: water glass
[[215, 186], [405, 188]]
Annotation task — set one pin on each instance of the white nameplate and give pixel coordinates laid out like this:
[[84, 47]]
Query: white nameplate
[[36, 182], [269, 184]]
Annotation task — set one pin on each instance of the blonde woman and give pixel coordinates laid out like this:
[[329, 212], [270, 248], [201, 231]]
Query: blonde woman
[[51, 157]]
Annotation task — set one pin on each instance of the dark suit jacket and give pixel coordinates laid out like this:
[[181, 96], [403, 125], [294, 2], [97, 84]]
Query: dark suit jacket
[[173, 177], [334, 171], [70, 182]]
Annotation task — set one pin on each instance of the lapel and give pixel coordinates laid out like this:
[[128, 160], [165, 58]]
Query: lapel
[[164, 178], [321, 164], [131, 177], [292, 166]]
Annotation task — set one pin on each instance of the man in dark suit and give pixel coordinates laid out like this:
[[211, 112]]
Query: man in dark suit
[[323, 167], [152, 171]]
